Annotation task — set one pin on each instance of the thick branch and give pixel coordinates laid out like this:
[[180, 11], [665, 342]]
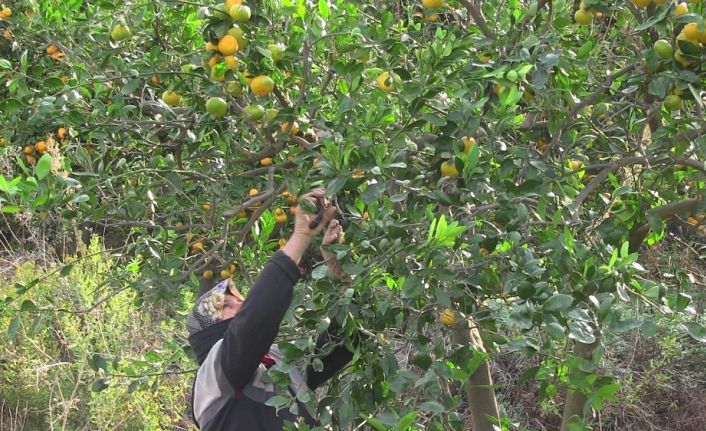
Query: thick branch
[[638, 233], [478, 18]]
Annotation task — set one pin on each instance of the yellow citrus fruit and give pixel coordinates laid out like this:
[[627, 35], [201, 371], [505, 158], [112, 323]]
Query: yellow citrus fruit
[[267, 161], [575, 164], [230, 3], [485, 58], [240, 13], [2, 142], [120, 32], [231, 61], [262, 85], [447, 318], [206, 206], [387, 81], [448, 169], [641, 3], [197, 247], [432, 4], [171, 98], [282, 242], [228, 45], [6, 12], [293, 128], [681, 9], [29, 150], [225, 273], [468, 143], [583, 17], [239, 35], [213, 61], [51, 49], [179, 225], [31, 159], [253, 192], [681, 58], [207, 275]]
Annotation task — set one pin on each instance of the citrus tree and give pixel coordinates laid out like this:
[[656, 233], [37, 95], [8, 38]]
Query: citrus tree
[[497, 166]]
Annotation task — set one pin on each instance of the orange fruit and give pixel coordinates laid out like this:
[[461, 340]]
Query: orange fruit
[[228, 45], [282, 242], [230, 3], [293, 210], [31, 159], [6, 12], [40, 146], [51, 49], [267, 161], [262, 85], [691, 32], [213, 61], [447, 318], [253, 192], [293, 129], [206, 206], [225, 273], [432, 4], [28, 150], [207, 275], [231, 61], [155, 80], [171, 98], [197, 247]]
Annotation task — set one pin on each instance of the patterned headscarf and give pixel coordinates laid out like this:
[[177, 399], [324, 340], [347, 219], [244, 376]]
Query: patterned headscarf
[[209, 307]]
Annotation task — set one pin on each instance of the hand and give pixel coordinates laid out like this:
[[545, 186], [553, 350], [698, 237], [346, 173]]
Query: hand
[[334, 235], [303, 220], [303, 233]]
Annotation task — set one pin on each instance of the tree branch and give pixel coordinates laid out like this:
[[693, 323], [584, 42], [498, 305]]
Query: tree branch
[[478, 18]]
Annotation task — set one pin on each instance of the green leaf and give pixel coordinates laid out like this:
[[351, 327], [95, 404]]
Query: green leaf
[[99, 385], [407, 420], [375, 423], [324, 9], [5, 64], [697, 331], [431, 406], [14, 326], [558, 302], [43, 167]]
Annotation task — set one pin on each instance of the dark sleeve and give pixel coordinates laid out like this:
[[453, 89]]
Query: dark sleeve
[[254, 328], [333, 362]]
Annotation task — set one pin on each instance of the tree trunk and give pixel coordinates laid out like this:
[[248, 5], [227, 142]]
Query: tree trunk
[[479, 390], [576, 400]]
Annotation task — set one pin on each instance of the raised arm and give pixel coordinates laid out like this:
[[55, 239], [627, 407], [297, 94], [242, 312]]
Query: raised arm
[[256, 324]]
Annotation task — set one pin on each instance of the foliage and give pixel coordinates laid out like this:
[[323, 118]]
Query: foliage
[[577, 162], [70, 342]]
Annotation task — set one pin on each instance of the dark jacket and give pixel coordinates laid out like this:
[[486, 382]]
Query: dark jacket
[[229, 391]]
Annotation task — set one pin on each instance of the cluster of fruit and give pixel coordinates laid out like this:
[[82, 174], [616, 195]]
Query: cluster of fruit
[[449, 168], [697, 221], [225, 272]]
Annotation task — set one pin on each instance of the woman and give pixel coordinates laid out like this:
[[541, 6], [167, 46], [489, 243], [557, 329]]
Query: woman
[[233, 338]]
